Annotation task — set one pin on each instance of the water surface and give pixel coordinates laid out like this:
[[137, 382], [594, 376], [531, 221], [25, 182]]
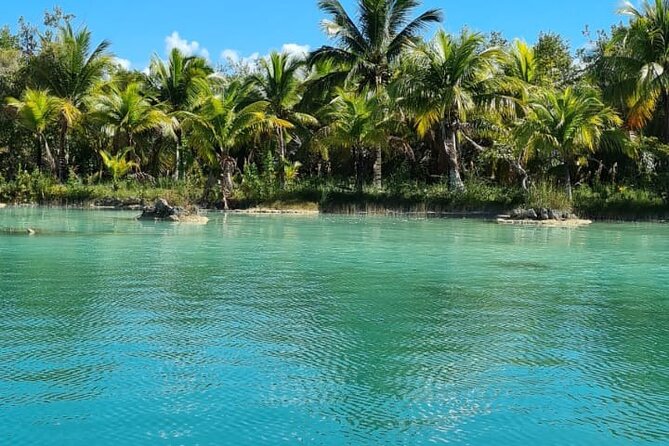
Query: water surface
[[330, 331]]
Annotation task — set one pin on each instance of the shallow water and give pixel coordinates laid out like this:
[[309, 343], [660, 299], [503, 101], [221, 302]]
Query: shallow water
[[331, 331]]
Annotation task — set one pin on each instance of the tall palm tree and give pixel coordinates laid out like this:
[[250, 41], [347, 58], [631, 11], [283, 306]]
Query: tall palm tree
[[445, 81], [222, 117], [566, 124], [174, 81], [279, 83], [521, 70], [357, 122], [365, 52], [127, 113], [636, 65], [70, 68], [36, 111]]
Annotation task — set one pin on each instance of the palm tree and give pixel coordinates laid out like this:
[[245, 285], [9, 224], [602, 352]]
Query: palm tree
[[70, 68], [222, 117], [174, 81], [636, 65], [521, 63], [566, 124], [127, 113], [366, 51], [36, 111], [356, 123], [118, 165], [279, 84], [445, 81], [521, 70]]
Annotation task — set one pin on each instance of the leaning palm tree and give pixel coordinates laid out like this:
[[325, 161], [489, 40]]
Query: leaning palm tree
[[174, 81], [444, 82], [566, 125], [70, 68], [36, 111], [279, 83], [356, 123], [365, 52], [127, 113], [636, 65], [221, 119]]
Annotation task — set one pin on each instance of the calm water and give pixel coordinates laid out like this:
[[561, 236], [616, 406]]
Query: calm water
[[331, 331]]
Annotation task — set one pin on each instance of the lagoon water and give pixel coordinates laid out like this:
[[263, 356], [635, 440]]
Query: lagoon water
[[329, 330]]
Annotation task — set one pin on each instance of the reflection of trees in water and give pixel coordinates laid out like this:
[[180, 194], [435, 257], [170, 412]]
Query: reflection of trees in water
[[373, 328], [375, 345]]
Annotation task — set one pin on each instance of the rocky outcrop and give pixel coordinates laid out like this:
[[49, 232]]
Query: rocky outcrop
[[162, 211], [542, 216]]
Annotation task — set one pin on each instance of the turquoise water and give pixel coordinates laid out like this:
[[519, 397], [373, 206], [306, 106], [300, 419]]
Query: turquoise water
[[331, 331]]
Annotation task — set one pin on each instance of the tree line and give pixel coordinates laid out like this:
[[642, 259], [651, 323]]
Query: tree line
[[382, 99]]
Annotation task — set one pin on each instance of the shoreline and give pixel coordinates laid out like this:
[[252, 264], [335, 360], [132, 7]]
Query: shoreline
[[313, 209]]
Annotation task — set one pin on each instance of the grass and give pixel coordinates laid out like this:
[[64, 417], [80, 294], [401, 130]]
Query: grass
[[547, 195], [603, 202], [620, 202], [41, 189]]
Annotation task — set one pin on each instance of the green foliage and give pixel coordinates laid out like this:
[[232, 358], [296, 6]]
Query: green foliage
[[489, 114], [555, 66], [118, 165], [613, 202], [291, 171], [635, 65], [36, 187], [366, 50], [547, 195]]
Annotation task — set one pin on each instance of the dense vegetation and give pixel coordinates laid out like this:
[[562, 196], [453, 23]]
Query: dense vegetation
[[468, 121]]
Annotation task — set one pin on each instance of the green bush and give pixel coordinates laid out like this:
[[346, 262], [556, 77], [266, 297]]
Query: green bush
[[548, 195], [612, 202]]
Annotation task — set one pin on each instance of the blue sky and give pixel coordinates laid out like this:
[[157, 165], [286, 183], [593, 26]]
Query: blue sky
[[240, 28]]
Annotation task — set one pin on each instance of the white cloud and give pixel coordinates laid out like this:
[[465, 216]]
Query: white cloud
[[123, 63], [231, 56], [191, 48], [295, 49]]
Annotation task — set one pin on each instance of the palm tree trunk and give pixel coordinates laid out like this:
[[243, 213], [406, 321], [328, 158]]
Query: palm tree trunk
[[568, 180], [208, 187], [281, 170], [228, 167], [154, 160], [359, 169], [62, 152], [51, 162], [39, 154], [523, 173], [378, 168], [450, 139], [665, 125], [177, 163]]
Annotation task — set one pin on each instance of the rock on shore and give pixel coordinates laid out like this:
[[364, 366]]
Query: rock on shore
[[162, 211], [542, 216]]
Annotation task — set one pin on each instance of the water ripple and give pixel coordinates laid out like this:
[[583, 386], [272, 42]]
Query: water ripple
[[331, 331]]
